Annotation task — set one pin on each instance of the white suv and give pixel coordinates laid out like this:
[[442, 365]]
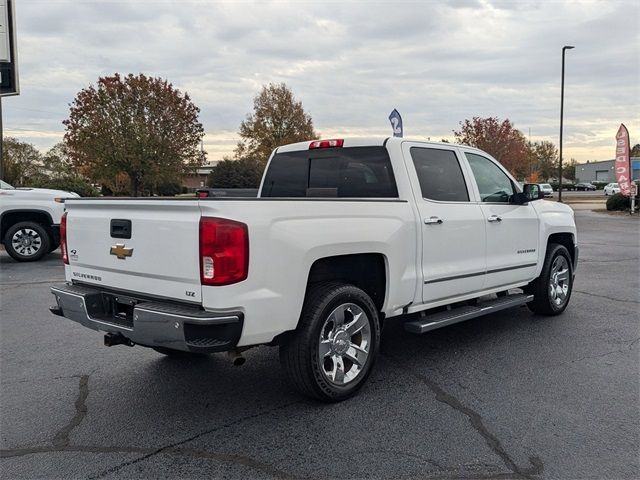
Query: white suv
[[30, 220]]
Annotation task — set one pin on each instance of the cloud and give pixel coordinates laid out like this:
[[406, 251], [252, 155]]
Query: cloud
[[350, 63]]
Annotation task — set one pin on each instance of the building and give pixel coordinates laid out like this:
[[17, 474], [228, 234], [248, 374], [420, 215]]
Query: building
[[196, 180], [603, 171]]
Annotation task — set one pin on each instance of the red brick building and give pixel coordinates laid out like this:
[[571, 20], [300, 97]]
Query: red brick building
[[199, 179]]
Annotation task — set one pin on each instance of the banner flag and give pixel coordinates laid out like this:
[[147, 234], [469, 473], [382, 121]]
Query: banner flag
[[396, 123], [622, 164]]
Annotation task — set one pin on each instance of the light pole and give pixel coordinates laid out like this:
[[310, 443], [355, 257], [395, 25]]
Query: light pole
[[564, 49]]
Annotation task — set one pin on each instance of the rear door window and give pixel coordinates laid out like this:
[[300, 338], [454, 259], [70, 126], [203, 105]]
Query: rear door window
[[439, 174], [353, 172]]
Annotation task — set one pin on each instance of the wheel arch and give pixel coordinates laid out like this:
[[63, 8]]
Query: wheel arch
[[11, 217], [566, 239], [367, 271]]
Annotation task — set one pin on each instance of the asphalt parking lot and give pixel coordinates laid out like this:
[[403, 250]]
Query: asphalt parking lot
[[506, 396]]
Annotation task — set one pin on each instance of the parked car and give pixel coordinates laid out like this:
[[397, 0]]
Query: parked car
[[612, 189], [343, 235], [585, 186], [30, 220], [547, 190]]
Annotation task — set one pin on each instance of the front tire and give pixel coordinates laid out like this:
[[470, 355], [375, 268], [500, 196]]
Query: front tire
[[552, 289], [333, 351], [27, 241]]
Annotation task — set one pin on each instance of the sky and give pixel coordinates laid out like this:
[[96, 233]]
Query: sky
[[350, 63]]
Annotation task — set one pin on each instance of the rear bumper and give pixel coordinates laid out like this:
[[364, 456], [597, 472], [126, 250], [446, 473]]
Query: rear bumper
[[149, 323]]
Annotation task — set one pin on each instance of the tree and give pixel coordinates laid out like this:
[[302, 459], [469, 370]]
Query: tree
[[545, 156], [499, 139], [635, 151], [138, 129], [277, 119], [22, 161], [57, 163], [569, 170], [241, 173]]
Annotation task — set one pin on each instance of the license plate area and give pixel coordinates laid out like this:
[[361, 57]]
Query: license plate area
[[119, 309]]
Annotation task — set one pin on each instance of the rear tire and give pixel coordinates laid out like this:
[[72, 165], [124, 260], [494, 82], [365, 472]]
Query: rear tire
[[27, 241], [333, 350], [552, 289]]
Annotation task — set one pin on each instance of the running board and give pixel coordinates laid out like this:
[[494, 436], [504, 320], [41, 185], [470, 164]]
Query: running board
[[460, 314]]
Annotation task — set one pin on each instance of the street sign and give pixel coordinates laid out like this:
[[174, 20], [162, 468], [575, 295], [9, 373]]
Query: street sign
[[8, 50]]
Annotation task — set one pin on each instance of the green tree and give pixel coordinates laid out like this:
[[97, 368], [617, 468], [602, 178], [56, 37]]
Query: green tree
[[22, 162], [277, 119], [240, 173], [134, 129], [569, 170], [545, 156], [57, 163], [499, 139], [635, 151]]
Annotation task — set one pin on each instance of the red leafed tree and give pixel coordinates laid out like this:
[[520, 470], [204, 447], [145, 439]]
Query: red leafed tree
[[138, 127], [499, 139]]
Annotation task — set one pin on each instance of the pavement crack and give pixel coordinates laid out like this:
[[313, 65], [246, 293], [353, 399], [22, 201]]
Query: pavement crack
[[476, 421], [148, 452], [61, 439], [614, 299], [171, 448]]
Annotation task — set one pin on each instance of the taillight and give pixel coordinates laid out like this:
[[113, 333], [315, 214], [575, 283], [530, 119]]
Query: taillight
[[203, 194], [63, 238], [339, 142], [224, 251]]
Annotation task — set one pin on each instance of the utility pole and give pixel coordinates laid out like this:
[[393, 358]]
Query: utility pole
[[564, 49]]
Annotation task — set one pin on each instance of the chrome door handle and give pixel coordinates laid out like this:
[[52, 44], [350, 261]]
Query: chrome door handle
[[494, 218], [433, 220]]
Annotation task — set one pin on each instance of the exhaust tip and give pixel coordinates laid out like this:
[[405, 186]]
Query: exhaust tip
[[236, 357]]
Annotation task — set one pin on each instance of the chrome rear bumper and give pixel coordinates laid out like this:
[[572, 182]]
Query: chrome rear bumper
[[148, 323]]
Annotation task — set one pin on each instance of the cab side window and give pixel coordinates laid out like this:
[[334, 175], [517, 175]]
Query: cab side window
[[439, 174], [493, 183]]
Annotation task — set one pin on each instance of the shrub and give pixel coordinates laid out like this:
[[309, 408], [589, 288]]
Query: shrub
[[68, 184], [618, 202], [565, 186], [169, 189]]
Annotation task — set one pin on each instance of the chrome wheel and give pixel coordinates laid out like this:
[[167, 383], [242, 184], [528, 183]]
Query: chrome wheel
[[344, 344], [26, 242], [559, 281]]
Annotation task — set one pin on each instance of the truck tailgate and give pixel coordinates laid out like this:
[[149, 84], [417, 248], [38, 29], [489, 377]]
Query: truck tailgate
[[160, 257]]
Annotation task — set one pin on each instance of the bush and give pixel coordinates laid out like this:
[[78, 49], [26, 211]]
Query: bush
[[565, 186], [169, 189], [618, 202], [600, 185], [68, 184]]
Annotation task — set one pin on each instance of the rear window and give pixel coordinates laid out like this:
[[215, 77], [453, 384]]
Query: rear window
[[355, 172]]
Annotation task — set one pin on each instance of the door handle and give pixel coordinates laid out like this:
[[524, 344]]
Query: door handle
[[494, 218], [433, 220]]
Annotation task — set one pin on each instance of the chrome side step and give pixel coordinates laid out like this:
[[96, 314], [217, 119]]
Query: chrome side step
[[460, 314]]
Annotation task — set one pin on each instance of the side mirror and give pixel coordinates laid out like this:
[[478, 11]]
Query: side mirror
[[532, 191]]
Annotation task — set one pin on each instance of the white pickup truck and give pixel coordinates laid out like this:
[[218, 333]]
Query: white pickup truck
[[30, 220], [343, 235]]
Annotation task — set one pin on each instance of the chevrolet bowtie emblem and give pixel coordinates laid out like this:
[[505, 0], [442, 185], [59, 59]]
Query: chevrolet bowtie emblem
[[120, 251]]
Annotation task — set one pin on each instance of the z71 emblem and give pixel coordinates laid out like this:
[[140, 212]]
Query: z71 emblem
[[120, 251]]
